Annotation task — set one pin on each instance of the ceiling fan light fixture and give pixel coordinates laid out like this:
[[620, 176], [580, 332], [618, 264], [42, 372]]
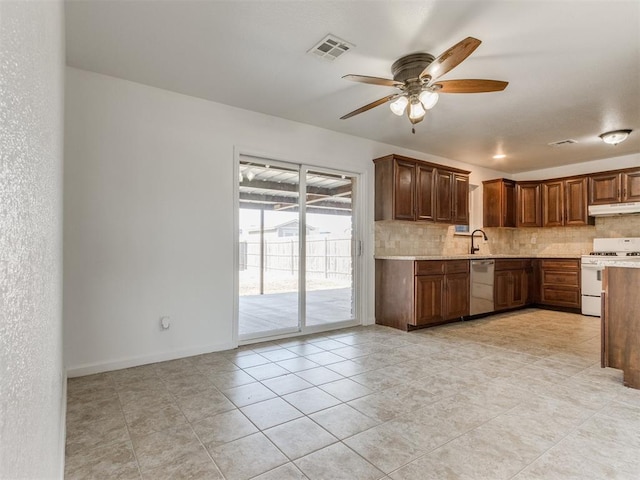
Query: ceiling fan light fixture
[[615, 137], [399, 105], [428, 99], [416, 110]]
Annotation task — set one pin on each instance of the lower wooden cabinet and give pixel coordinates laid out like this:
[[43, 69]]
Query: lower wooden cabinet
[[559, 282], [420, 293], [511, 283]]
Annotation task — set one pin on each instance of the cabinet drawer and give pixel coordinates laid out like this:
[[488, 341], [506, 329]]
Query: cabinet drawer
[[429, 267], [566, 278], [456, 266], [561, 264], [564, 297], [512, 264]]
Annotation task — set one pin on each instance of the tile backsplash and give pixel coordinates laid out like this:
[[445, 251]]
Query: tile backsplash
[[414, 238]]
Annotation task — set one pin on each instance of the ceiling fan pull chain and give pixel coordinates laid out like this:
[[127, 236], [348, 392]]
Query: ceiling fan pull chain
[[413, 130]]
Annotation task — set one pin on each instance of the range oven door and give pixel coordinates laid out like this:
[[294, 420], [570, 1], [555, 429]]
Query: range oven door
[[591, 289]]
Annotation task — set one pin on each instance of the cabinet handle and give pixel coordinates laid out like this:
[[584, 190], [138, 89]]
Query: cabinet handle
[[624, 193]]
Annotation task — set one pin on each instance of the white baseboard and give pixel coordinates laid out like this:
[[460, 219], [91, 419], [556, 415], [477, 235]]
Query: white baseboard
[[90, 369], [63, 424]]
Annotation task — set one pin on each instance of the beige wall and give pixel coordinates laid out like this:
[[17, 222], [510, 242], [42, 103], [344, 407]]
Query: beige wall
[[413, 238]]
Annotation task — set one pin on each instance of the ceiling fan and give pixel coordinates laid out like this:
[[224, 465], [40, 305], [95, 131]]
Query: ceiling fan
[[416, 76]]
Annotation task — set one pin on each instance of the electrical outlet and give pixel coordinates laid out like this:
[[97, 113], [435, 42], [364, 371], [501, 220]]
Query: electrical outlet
[[165, 322]]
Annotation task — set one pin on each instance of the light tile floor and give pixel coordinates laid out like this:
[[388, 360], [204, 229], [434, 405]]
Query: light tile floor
[[517, 396]]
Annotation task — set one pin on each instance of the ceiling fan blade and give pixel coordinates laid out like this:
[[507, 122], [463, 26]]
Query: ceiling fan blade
[[369, 106], [451, 58], [385, 82], [470, 86]]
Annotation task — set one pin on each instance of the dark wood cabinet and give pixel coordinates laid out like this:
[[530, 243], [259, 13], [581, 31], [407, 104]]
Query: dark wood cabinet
[[429, 299], [564, 203], [560, 282], [404, 186], [499, 203], [528, 204], [421, 293], [424, 192], [456, 295], [552, 204], [575, 202], [442, 291], [444, 197], [614, 187], [511, 283], [460, 196], [409, 189], [631, 186], [604, 189]]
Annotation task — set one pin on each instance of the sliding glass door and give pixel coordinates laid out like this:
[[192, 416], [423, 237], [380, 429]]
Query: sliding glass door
[[295, 249], [329, 249]]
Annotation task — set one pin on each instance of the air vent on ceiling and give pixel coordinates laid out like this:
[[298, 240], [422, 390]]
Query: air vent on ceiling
[[560, 143], [330, 48]]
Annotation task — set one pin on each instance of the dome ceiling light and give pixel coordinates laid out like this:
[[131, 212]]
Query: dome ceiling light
[[615, 137]]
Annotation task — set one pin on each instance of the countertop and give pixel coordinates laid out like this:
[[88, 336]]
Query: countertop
[[468, 257]]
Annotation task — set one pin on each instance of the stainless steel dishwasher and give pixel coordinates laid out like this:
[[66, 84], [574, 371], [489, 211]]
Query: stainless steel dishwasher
[[481, 286]]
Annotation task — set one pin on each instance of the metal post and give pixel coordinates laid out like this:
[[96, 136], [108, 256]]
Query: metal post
[[262, 251], [326, 257]]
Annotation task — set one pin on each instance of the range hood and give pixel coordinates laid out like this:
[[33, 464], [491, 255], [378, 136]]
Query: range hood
[[614, 209]]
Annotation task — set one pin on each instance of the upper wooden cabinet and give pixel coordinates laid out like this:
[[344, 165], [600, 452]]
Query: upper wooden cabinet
[[452, 197], [575, 202], [409, 189], [564, 202], [528, 204], [552, 204], [499, 203], [614, 187], [460, 195], [424, 192]]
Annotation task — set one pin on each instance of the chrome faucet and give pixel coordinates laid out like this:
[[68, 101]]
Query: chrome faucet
[[474, 249]]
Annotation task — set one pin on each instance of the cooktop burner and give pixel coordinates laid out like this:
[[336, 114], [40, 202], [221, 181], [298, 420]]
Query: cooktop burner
[[604, 254], [633, 254]]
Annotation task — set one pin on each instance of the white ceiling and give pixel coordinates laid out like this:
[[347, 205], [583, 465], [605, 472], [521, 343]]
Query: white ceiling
[[573, 67]]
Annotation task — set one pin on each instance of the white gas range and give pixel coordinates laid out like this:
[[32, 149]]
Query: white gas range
[[607, 252]]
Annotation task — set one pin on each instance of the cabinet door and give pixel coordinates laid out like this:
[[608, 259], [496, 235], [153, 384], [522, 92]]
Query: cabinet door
[[492, 203], [528, 205], [631, 186], [429, 299], [424, 192], [456, 295], [604, 189], [444, 196], [509, 204], [460, 200], [520, 288], [502, 290], [575, 202], [552, 204], [404, 180]]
